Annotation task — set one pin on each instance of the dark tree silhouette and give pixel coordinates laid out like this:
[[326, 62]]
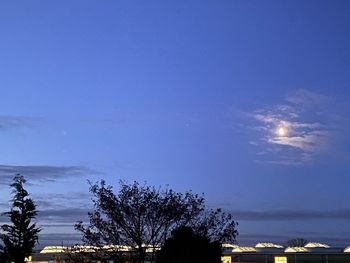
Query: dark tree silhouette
[[21, 235], [2, 254], [187, 247], [297, 242], [143, 217]]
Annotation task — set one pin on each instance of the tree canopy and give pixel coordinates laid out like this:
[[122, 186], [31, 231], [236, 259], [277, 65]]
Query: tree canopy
[[297, 242], [21, 235], [143, 217], [2, 254]]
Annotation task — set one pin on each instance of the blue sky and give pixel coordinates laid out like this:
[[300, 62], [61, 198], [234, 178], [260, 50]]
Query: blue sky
[[186, 93]]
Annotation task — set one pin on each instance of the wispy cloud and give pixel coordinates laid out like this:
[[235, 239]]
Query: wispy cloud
[[48, 201], [9, 121], [41, 173], [58, 216], [292, 132], [67, 215], [289, 215], [306, 97]]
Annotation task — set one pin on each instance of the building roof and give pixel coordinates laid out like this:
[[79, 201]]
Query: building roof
[[226, 245], [244, 249], [268, 245], [316, 245], [296, 250], [91, 249], [53, 249]]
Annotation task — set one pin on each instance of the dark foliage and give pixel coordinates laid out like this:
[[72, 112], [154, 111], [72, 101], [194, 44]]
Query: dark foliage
[[3, 257], [21, 235], [187, 247], [297, 242], [143, 217]]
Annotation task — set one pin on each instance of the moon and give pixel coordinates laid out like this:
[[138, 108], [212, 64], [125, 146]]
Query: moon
[[282, 131]]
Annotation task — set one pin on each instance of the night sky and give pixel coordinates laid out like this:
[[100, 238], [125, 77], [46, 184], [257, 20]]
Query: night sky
[[244, 101]]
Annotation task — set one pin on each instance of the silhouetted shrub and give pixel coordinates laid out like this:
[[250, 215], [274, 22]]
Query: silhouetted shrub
[[186, 247]]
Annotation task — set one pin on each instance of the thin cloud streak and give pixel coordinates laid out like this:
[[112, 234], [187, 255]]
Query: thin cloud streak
[[51, 200], [291, 215], [57, 216], [67, 215], [306, 97], [73, 214], [9, 121], [310, 142], [41, 173]]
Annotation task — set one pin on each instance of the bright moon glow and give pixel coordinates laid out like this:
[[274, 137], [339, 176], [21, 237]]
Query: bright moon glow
[[282, 131]]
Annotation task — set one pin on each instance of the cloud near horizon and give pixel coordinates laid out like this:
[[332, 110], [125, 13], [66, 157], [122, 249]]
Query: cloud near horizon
[[59, 225], [57, 216], [291, 215], [73, 214], [41, 173]]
